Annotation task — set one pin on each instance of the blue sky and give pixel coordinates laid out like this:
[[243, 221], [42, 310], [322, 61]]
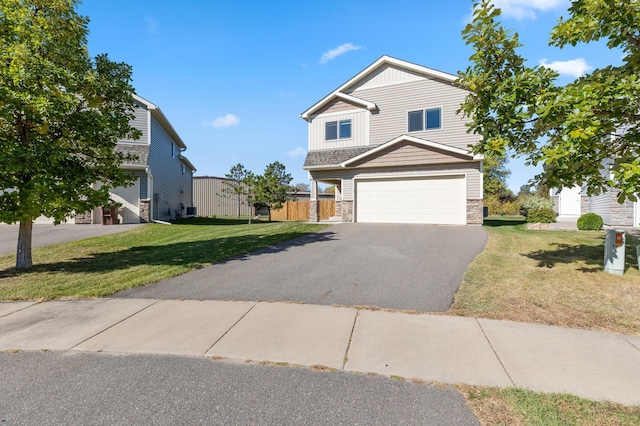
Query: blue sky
[[233, 77]]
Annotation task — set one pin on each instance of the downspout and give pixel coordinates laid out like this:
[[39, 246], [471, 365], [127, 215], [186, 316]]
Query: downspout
[[149, 191]]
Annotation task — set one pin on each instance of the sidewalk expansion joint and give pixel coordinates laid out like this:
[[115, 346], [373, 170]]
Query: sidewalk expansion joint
[[631, 343], [230, 328], [495, 353], [116, 323], [353, 327]]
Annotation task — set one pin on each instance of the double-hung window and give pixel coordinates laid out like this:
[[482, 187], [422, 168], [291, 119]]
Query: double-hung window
[[334, 130], [424, 119]]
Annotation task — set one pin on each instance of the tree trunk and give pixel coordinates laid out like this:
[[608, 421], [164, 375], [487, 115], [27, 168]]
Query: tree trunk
[[23, 254], [239, 201]]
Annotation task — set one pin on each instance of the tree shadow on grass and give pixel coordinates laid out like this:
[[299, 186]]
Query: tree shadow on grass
[[506, 221], [593, 256], [193, 255]]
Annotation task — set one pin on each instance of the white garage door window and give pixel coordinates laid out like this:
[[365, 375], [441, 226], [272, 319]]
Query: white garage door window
[[129, 197], [433, 200]]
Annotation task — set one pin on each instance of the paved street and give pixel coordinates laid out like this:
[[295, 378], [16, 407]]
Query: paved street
[[406, 267], [74, 388], [44, 235]]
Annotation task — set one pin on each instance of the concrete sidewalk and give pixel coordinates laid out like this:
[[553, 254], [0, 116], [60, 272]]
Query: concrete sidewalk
[[595, 365]]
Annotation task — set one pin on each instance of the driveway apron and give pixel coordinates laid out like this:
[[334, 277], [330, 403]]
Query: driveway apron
[[406, 267]]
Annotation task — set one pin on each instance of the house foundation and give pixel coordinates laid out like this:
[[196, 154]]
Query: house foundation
[[346, 211], [144, 211]]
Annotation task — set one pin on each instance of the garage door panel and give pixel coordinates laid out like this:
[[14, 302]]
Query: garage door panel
[[432, 200]]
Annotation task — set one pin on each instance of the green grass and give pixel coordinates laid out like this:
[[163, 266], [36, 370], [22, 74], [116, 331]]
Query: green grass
[[513, 406], [550, 277], [101, 266]]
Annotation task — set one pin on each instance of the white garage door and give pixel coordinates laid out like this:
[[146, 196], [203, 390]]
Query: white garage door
[[433, 200]]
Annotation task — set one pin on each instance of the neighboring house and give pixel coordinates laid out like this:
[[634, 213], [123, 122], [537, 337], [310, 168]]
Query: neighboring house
[[163, 188], [571, 203], [391, 141]]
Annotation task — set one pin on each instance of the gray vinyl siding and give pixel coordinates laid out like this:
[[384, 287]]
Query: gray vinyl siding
[[141, 123], [170, 186], [472, 171], [210, 198], [395, 101]]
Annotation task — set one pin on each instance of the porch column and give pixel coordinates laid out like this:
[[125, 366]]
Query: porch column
[[338, 199], [313, 202]]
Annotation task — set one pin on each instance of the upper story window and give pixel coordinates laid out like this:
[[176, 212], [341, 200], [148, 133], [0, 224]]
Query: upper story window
[[337, 130], [424, 119], [173, 150], [184, 169]]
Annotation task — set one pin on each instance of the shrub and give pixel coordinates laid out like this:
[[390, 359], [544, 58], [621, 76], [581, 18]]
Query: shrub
[[590, 222], [541, 215], [536, 202]]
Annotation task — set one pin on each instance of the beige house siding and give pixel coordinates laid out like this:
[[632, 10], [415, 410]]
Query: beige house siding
[[407, 154], [395, 102], [471, 170], [384, 76], [359, 130], [338, 105]]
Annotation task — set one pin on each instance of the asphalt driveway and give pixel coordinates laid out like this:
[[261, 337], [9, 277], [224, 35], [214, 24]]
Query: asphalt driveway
[[407, 267], [44, 235]]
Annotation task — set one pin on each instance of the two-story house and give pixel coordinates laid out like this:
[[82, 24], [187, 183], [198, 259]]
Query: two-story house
[[163, 188], [391, 141]]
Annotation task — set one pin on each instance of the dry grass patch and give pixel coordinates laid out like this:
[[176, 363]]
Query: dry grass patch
[[550, 277], [512, 406]]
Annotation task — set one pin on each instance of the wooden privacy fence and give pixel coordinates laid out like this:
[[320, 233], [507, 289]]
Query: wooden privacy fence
[[299, 210]]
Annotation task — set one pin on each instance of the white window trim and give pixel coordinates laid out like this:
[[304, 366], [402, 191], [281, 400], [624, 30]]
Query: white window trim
[[424, 119], [338, 138]]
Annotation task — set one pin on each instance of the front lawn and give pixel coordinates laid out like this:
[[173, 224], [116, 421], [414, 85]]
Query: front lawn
[[550, 277], [101, 266], [512, 406]]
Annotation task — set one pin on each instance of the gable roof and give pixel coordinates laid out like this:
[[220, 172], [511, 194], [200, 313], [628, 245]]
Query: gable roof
[[382, 61], [162, 119], [406, 138]]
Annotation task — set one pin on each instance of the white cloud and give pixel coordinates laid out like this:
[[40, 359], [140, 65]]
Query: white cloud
[[224, 121], [152, 24], [573, 67], [298, 152], [526, 9], [334, 53]]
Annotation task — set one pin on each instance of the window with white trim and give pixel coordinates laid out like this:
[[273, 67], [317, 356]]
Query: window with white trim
[[184, 169], [424, 119], [173, 150], [334, 130]]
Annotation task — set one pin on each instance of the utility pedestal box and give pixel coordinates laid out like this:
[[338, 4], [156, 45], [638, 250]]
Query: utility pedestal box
[[614, 252]]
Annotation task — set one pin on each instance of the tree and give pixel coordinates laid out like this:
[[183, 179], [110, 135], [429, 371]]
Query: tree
[[238, 184], [61, 114], [524, 190], [495, 175], [303, 187], [330, 190], [272, 188], [570, 129]]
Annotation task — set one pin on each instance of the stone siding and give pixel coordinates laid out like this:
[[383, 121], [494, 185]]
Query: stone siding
[[83, 218], [346, 211], [474, 212], [621, 214], [337, 213], [584, 204], [144, 211], [313, 211]]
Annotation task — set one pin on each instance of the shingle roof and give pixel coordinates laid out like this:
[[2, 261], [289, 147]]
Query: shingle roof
[[332, 157]]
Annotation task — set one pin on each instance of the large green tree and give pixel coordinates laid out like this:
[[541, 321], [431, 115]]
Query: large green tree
[[573, 129], [273, 188], [61, 114]]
